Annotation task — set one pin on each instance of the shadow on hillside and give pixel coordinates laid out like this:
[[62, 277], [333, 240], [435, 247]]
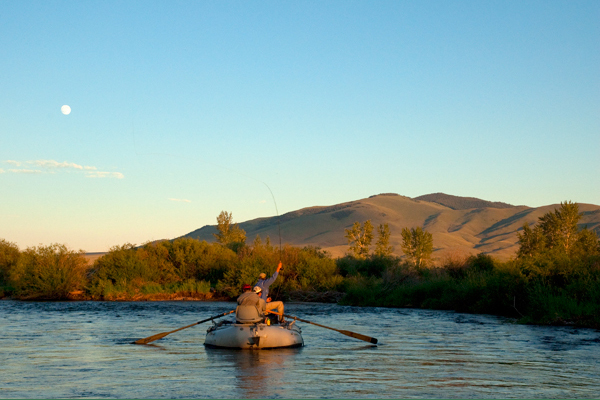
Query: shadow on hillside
[[507, 221]]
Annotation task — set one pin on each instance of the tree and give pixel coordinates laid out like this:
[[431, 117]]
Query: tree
[[230, 234], [532, 241], [9, 256], [587, 243], [417, 245], [382, 247], [557, 232], [49, 272], [560, 227], [359, 238]]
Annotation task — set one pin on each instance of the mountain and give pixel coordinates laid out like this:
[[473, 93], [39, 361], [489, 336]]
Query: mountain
[[461, 203], [458, 224]]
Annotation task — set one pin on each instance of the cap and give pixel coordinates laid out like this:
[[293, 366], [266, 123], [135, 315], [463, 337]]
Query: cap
[[262, 276], [245, 286], [257, 289]]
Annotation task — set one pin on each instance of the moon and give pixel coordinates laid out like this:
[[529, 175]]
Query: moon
[[65, 109]]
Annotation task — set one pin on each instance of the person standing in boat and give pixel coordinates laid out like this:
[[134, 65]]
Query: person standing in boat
[[264, 284]]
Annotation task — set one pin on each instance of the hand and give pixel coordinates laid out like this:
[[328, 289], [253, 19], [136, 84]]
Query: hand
[[268, 299], [279, 266]]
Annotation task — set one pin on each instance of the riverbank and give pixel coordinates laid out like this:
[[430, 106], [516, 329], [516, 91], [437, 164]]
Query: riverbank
[[80, 295], [548, 289]]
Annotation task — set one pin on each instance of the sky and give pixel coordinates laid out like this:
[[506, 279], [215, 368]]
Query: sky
[[183, 109]]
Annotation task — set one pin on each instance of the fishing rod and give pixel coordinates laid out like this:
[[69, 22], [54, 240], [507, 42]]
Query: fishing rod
[[230, 170]]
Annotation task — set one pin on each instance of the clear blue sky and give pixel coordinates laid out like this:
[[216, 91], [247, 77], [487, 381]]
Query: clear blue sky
[[182, 109]]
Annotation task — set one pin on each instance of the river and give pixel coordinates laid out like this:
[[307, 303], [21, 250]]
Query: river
[[84, 350]]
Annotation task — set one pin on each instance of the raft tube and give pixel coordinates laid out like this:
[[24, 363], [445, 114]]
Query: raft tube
[[254, 335]]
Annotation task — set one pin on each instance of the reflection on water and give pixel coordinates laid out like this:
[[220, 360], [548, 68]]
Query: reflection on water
[[84, 350], [254, 370]]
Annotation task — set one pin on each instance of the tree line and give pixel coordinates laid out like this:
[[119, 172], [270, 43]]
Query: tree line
[[417, 243], [554, 277]]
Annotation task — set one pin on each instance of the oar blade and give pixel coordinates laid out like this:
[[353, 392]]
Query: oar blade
[[344, 332], [359, 336], [151, 338], [162, 335]]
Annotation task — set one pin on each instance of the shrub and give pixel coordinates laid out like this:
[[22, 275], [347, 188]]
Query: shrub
[[480, 263], [194, 259], [190, 286], [9, 256], [363, 291], [550, 305], [49, 272], [121, 265], [306, 269], [245, 271], [455, 264], [316, 270], [372, 265]]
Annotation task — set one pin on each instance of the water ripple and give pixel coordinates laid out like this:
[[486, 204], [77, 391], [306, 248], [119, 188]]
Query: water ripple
[[84, 350]]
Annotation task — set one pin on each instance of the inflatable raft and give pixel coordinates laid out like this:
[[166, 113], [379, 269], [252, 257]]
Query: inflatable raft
[[251, 331], [254, 336]]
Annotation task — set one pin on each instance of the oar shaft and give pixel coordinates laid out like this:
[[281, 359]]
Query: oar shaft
[[343, 332], [162, 335], [211, 318]]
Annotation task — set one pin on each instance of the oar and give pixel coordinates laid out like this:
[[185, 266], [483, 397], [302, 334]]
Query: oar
[[162, 335], [343, 332]]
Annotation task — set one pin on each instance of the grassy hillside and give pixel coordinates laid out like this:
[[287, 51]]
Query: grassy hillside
[[461, 203], [488, 227]]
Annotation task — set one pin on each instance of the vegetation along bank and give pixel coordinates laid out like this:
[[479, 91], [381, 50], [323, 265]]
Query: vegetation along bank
[[553, 279]]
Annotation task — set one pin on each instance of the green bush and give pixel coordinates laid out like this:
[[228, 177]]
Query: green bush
[[481, 263], [156, 267], [49, 272], [550, 305], [364, 291], [304, 269], [122, 264], [190, 286], [372, 265], [194, 259], [152, 288], [245, 270], [9, 256]]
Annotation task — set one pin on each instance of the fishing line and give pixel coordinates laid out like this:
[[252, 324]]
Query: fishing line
[[214, 166]]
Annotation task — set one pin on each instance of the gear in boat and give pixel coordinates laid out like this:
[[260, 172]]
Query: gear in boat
[[250, 330]]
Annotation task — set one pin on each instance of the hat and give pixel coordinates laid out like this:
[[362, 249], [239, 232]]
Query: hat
[[262, 276], [245, 287], [257, 289]]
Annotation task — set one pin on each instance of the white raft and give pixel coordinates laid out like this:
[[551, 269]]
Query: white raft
[[249, 331]]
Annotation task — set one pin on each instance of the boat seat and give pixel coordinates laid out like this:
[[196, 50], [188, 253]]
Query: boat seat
[[247, 314]]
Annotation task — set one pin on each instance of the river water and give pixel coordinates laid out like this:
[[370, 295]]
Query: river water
[[84, 350]]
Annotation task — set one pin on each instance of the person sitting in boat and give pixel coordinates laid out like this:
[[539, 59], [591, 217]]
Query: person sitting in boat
[[264, 284], [251, 308]]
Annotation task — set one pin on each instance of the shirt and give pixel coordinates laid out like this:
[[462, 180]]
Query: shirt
[[252, 299], [264, 285]]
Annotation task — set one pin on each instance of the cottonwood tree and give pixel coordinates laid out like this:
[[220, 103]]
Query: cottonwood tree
[[417, 245], [359, 238], [560, 227], [229, 234], [532, 241], [557, 232], [382, 247]]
